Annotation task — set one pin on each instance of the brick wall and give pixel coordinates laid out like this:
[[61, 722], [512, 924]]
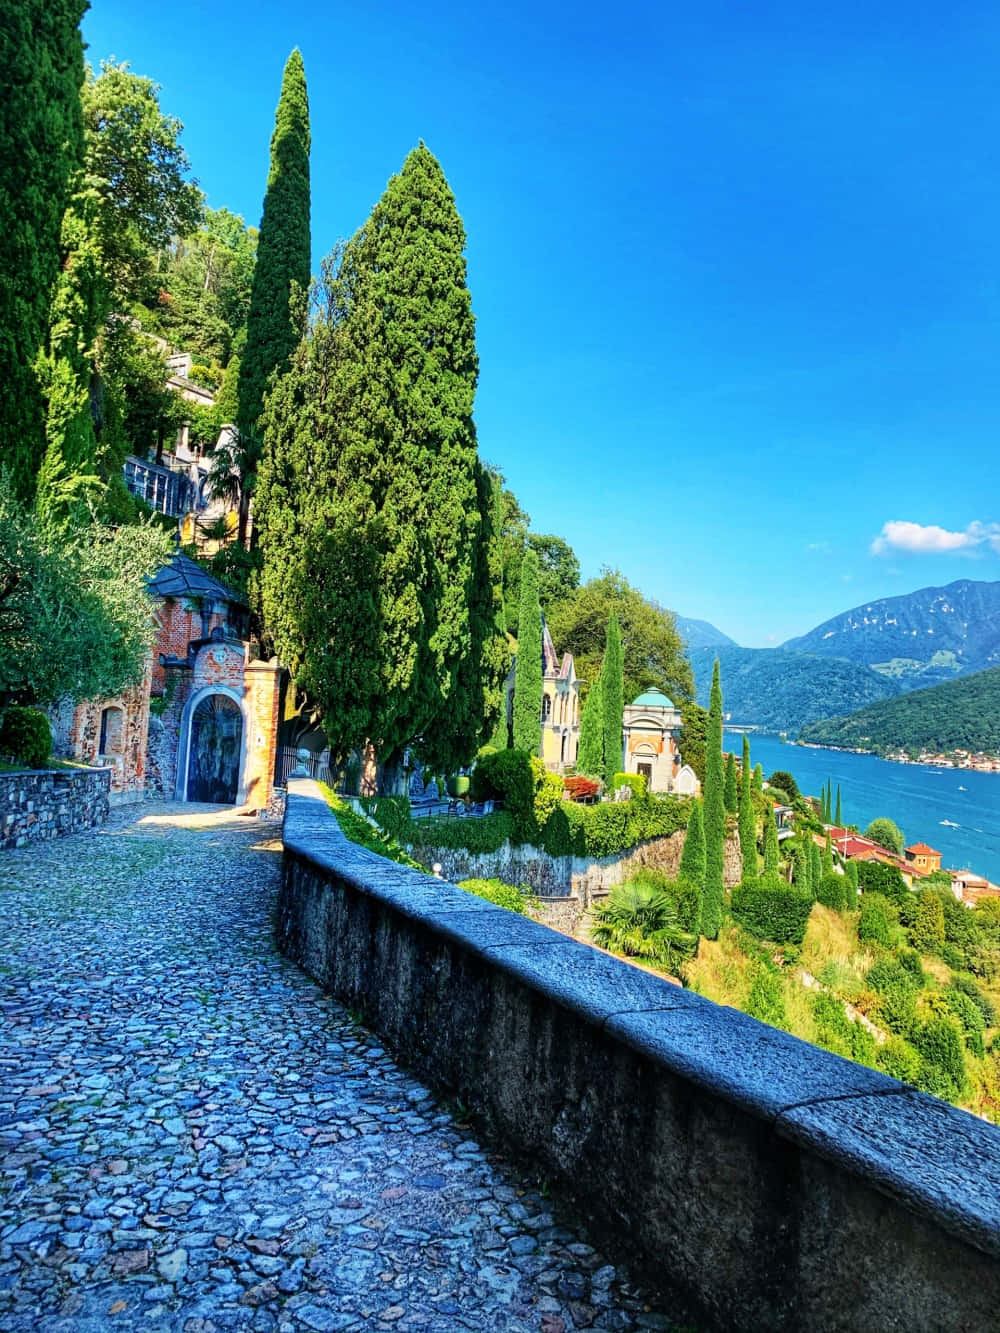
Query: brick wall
[[263, 689], [76, 734]]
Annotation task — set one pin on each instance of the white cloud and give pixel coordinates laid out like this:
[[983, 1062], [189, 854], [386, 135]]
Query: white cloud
[[929, 539], [819, 546]]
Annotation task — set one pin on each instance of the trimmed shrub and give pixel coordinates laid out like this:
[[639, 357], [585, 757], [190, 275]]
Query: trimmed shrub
[[927, 931], [968, 1014], [830, 891], [942, 1061], [777, 912], [507, 775], [898, 1059], [634, 780], [877, 877], [873, 923], [496, 891], [25, 736], [897, 990]]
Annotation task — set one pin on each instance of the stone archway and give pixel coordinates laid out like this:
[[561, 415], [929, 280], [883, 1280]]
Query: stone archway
[[215, 748]]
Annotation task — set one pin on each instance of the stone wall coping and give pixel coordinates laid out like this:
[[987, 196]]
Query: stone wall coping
[[933, 1158]]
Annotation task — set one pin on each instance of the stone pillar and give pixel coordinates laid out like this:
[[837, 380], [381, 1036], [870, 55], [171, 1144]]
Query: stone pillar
[[262, 692]]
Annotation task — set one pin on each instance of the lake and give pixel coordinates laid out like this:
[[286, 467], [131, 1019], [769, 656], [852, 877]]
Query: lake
[[916, 797]]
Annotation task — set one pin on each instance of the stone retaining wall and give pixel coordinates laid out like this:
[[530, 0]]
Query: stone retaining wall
[[559, 876], [759, 1182], [46, 803]]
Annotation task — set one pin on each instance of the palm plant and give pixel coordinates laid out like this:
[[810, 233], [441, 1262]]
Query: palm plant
[[639, 920]]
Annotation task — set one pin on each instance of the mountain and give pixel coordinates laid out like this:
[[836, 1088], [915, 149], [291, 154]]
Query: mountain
[[701, 634], [920, 639], [782, 691], [961, 714]]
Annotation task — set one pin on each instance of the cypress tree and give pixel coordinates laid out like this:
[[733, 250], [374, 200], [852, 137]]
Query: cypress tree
[[692, 866], [815, 864], [612, 700], [772, 861], [590, 754], [851, 867], [800, 868], [41, 150], [827, 856], [838, 817], [371, 506], [758, 778], [283, 263], [528, 669], [713, 897], [747, 819], [729, 793]]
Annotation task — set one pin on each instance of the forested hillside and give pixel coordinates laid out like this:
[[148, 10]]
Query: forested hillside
[[962, 714], [781, 691]]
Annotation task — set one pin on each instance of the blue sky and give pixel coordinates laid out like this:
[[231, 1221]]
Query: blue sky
[[736, 273]]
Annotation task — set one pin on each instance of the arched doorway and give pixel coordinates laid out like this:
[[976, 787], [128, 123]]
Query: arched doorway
[[214, 751]]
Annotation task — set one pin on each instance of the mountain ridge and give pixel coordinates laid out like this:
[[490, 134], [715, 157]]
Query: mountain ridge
[[921, 638]]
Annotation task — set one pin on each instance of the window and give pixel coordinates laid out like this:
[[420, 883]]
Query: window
[[546, 708]]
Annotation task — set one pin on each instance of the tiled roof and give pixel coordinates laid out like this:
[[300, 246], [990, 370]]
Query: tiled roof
[[182, 577], [921, 849]]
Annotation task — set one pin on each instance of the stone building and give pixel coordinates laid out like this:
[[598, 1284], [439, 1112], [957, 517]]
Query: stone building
[[560, 706], [651, 726], [203, 723]]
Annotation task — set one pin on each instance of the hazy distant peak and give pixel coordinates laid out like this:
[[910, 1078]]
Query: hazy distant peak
[[702, 634]]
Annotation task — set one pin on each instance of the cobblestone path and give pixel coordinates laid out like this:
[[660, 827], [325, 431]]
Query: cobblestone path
[[194, 1138]]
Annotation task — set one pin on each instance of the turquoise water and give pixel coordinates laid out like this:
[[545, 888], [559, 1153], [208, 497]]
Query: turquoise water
[[916, 797]]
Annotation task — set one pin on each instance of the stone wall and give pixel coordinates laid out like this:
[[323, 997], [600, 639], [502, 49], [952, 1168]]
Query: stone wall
[[47, 803], [758, 1182], [559, 876]]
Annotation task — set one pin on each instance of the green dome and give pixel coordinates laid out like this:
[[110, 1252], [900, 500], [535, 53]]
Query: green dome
[[652, 699]]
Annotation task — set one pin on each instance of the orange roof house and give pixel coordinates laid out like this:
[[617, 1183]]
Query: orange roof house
[[922, 857]]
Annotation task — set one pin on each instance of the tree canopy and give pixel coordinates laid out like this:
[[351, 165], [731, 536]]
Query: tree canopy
[[282, 268], [41, 150], [372, 508], [653, 652], [74, 613], [886, 833]]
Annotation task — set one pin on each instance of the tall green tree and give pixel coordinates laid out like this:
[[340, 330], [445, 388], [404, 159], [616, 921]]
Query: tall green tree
[[815, 864], [692, 865], [612, 700], [772, 863], [758, 778], [747, 818], [729, 790], [653, 651], [41, 151], [528, 668], [838, 816], [130, 196], [713, 897], [371, 507], [590, 753], [283, 266]]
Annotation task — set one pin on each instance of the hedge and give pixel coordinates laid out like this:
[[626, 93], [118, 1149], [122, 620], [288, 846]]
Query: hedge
[[777, 912], [497, 892], [25, 736], [358, 830]]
